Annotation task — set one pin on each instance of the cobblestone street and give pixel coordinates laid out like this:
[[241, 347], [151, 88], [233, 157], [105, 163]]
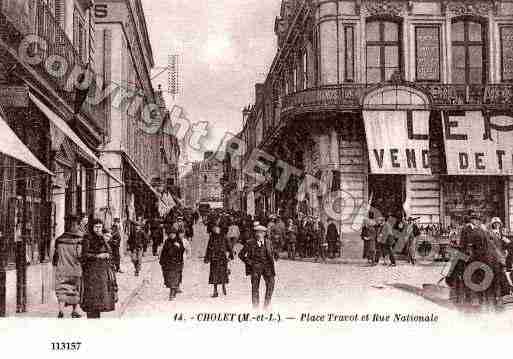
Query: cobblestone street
[[300, 287]]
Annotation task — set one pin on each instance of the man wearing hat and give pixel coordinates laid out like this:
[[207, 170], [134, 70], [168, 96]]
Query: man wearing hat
[[473, 243], [258, 256]]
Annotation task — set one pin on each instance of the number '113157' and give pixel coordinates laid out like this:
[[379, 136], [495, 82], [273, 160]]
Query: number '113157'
[[66, 346]]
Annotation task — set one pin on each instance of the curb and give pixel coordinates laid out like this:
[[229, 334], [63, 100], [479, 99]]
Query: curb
[[145, 280]]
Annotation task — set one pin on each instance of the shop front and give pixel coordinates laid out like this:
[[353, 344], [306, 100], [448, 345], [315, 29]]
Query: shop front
[[436, 165], [141, 199], [25, 178], [34, 204], [479, 164]]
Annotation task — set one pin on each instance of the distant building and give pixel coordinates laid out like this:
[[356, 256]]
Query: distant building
[[233, 177], [169, 152], [203, 182]]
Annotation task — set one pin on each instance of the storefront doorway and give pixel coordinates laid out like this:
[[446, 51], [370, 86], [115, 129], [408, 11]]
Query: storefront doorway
[[484, 194], [387, 193]]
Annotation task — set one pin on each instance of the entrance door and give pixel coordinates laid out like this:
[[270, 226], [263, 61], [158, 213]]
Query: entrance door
[[388, 193]]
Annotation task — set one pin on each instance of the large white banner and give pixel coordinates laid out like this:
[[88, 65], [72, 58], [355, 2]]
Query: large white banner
[[398, 141], [476, 144]]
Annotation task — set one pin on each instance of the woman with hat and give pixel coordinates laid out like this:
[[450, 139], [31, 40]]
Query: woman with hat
[[218, 253], [99, 281], [171, 261]]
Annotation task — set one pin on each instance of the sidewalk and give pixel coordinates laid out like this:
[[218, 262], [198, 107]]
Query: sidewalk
[[128, 284]]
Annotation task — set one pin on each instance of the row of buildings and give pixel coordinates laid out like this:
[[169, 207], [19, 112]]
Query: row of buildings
[[84, 128], [388, 102]]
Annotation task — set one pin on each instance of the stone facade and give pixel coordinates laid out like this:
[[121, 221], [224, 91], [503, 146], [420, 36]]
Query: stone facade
[[336, 61]]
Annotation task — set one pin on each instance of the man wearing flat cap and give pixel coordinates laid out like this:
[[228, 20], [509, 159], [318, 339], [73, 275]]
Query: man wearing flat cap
[[258, 256]]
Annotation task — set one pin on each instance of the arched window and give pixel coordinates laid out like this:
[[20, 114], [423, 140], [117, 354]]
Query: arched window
[[468, 52], [383, 48]]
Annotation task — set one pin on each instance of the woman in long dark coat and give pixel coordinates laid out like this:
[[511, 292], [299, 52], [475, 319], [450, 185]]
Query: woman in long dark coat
[[171, 261], [99, 281], [218, 253]]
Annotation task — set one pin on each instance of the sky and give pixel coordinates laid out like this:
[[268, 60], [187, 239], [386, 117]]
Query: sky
[[226, 46]]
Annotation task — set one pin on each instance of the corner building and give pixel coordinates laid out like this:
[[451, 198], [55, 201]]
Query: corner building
[[390, 101]]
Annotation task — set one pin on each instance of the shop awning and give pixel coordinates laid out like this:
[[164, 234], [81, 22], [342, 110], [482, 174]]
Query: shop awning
[[12, 146], [64, 127], [142, 177]]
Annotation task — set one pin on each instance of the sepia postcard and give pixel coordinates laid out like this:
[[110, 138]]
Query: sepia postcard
[[203, 176]]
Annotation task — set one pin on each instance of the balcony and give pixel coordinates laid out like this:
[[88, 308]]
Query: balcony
[[338, 97], [348, 97], [20, 19]]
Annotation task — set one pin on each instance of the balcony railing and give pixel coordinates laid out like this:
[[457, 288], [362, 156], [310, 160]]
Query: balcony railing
[[443, 96], [19, 22], [347, 96]]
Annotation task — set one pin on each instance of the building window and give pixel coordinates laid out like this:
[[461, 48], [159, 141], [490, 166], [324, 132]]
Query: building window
[[348, 54], [506, 33], [383, 50], [468, 52], [427, 53]]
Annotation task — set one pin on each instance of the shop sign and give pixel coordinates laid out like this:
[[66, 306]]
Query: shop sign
[[478, 144], [398, 141]]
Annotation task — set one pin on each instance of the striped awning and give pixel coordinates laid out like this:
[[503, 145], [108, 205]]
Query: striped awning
[[64, 127], [12, 146]]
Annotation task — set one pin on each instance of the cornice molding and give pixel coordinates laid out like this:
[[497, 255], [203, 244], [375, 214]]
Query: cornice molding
[[469, 8], [385, 8]]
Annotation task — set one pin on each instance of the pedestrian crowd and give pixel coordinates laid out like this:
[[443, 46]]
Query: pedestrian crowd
[[381, 236], [87, 256], [298, 237]]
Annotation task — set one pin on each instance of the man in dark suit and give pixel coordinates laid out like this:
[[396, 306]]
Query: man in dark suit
[[258, 256]]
